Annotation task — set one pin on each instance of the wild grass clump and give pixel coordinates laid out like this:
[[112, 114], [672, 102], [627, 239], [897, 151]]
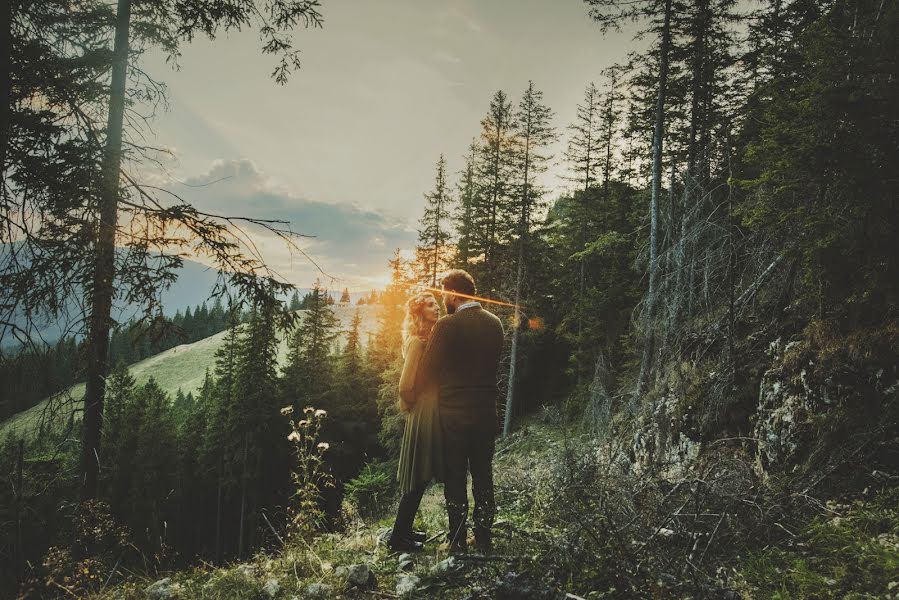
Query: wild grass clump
[[852, 551], [580, 519], [826, 349], [372, 490], [226, 584]]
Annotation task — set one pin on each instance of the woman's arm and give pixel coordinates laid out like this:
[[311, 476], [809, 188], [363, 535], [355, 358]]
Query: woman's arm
[[407, 377]]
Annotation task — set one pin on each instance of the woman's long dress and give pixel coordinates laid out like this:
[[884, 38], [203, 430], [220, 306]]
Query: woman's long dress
[[421, 451]]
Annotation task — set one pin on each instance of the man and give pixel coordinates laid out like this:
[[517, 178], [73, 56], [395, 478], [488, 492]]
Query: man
[[462, 356]]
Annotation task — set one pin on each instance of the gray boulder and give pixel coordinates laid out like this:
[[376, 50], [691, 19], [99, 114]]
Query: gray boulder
[[318, 590], [358, 576], [271, 587], [247, 570], [406, 585], [163, 589], [404, 562]]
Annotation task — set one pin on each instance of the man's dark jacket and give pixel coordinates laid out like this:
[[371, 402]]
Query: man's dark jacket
[[462, 356]]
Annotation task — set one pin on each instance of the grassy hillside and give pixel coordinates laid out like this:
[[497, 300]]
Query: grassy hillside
[[182, 367]]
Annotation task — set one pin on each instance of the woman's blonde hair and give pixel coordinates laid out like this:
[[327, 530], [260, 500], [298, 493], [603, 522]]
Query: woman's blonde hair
[[414, 323]]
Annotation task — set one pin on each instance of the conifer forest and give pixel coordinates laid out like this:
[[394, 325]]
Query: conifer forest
[[694, 263]]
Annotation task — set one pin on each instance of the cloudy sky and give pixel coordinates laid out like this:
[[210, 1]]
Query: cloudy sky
[[347, 148]]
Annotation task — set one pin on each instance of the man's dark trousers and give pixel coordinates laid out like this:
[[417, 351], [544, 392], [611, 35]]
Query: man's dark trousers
[[469, 446]]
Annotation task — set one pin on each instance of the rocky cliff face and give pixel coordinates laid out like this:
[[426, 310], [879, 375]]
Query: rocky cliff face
[[802, 407], [808, 408]]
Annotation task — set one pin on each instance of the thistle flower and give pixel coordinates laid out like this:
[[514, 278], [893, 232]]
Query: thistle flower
[[308, 410], [303, 423], [293, 437], [323, 446], [286, 410], [321, 413]]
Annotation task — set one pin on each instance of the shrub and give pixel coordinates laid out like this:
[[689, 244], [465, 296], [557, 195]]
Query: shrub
[[371, 490]]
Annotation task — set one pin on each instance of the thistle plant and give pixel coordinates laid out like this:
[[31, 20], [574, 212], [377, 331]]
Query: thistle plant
[[310, 475]]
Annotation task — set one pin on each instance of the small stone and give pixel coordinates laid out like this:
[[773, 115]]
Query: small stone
[[383, 535], [360, 576], [404, 562], [160, 590], [271, 587], [665, 532], [318, 590], [248, 571], [406, 585]]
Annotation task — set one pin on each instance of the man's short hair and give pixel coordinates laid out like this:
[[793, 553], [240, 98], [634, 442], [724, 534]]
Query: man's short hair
[[459, 281]]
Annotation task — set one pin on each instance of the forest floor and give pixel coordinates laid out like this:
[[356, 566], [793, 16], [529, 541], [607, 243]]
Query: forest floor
[[850, 550]]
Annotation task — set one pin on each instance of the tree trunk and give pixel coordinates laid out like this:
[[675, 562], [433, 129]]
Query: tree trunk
[[697, 87], [658, 138], [519, 279], [582, 242], [731, 270], [18, 553], [510, 392], [104, 263], [243, 497], [5, 82], [218, 514]]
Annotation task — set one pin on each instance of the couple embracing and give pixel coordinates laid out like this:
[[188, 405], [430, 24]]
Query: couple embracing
[[448, 391]]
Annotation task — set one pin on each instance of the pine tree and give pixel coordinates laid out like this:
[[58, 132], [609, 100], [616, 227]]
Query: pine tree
[[182, 407], [351, 358], [391, 310], [467, 192], [309, 370], [433, 252], [589, 155], [385, 351], [353, 423], [534, 133], [141, 445], [609, 13], [197, 475], [120, 435], [261, 456], [204, 326], [584, 152], [494, 221]]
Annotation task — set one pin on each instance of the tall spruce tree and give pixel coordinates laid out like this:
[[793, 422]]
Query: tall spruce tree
[[534, 133], [493, 218], [385, 353], [264, 457], [434, 252], [467, 193], [610, 14], [584, 155], [308, 374]]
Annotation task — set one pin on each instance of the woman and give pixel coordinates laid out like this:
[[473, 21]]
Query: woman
[[421, 451]]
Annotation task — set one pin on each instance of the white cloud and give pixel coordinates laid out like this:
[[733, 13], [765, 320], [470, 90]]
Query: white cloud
[[351, 244]]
